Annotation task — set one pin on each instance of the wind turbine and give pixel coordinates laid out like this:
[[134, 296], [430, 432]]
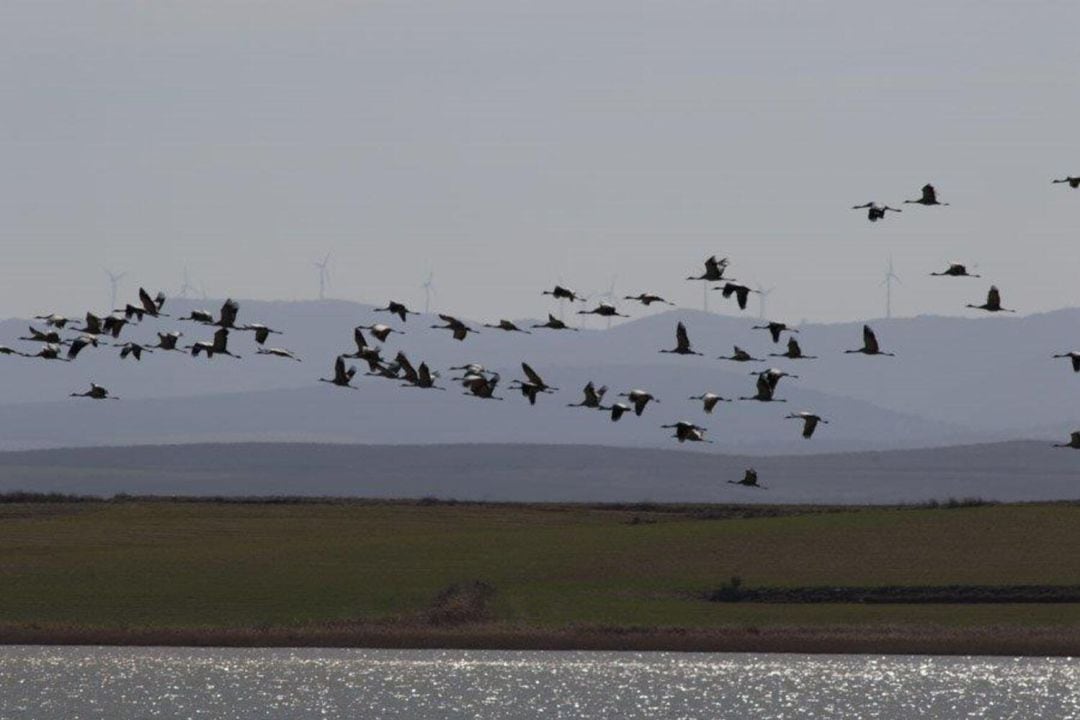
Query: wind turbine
[[324, 275], [890, 276], [429, 290], [763, 294], [185, 287], [114, 282]]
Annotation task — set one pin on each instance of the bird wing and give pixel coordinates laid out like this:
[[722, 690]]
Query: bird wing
[[793, 346], [229, 311], [764, 386], [221, 340], [424, 372], [775, 330], [728, 289], [339, 370], [460, 331], [407, 367], [591, 397], [261, 334], [870, 342], [358, 338], [147, 302], [928, 194], [809, 424], [681, 337], [1076, 437], [449, 319], [533, 376], [993, 298]]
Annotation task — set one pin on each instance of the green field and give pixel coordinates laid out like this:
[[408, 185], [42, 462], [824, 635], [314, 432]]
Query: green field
[[146, 565]]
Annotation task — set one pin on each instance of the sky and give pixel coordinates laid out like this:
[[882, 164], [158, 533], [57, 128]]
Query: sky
[[506, 145]]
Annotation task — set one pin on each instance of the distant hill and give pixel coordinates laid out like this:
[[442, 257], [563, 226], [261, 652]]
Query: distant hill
[[954, 380], [1014, 471]]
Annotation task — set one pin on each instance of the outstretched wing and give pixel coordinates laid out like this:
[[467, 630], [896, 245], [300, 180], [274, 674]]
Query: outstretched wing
[[147, 302], [870, 342], [993, 298], [793, 346], [929, 195], [682, 339], [533, 376]]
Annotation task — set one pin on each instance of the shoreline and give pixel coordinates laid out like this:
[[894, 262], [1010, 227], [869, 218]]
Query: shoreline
[[854, 640]]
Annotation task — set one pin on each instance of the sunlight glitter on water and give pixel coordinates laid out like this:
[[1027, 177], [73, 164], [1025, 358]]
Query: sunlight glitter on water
[[122, 683]]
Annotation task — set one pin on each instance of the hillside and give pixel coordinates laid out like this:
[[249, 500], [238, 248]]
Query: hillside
[[1016, 471], [955, 380]]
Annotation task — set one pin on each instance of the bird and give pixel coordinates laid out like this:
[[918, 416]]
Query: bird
[[554, 323], [482, 386], [96, 392], [342, 377], [929, 197], [262, 333], [426, 378], [648, 299], [1074, 441], [1074, 182], [507, 326], [398, 309], [113, 324], [389, 371], [593, 396], [134, 349], [368, 353], [603, 310], [750, 479], [50, 351], [955, 269], [740, 355], [528, 390], [420, 377], [870, 344], [53, 320], [459, 329], [561, 293], [380, 331], [874, 212], [714, 270], [709, 400], [741, 293], [682, 342], [775, 328], [277, 352], [617, 410], [200, 316], [93, 325], [534, 379], [687, 431], [794, 352], [810, 421], [470, 369], [36, 335], [227, 315], [219, 346], [1074, 356], [766, 385], [168, 340], [76, 346], [639, 399], [993, 302], [147, 306]]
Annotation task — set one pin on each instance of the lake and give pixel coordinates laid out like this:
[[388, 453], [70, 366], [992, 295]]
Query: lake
[[72, 683]]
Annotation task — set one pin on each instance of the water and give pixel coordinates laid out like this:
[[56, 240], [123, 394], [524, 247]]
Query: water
[[121, 683]]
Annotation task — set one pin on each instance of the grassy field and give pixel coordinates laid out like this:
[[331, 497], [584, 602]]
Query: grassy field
[[143, 569]]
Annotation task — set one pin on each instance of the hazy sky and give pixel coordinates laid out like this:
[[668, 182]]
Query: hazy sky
[[506, 144]]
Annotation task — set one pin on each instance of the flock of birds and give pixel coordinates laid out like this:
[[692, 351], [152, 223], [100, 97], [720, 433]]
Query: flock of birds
[[476, 381]]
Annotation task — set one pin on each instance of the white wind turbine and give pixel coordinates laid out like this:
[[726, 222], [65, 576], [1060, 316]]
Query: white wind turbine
[[890, 276], [114, 283], [429, 290], [324, 275], [763, 294]]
